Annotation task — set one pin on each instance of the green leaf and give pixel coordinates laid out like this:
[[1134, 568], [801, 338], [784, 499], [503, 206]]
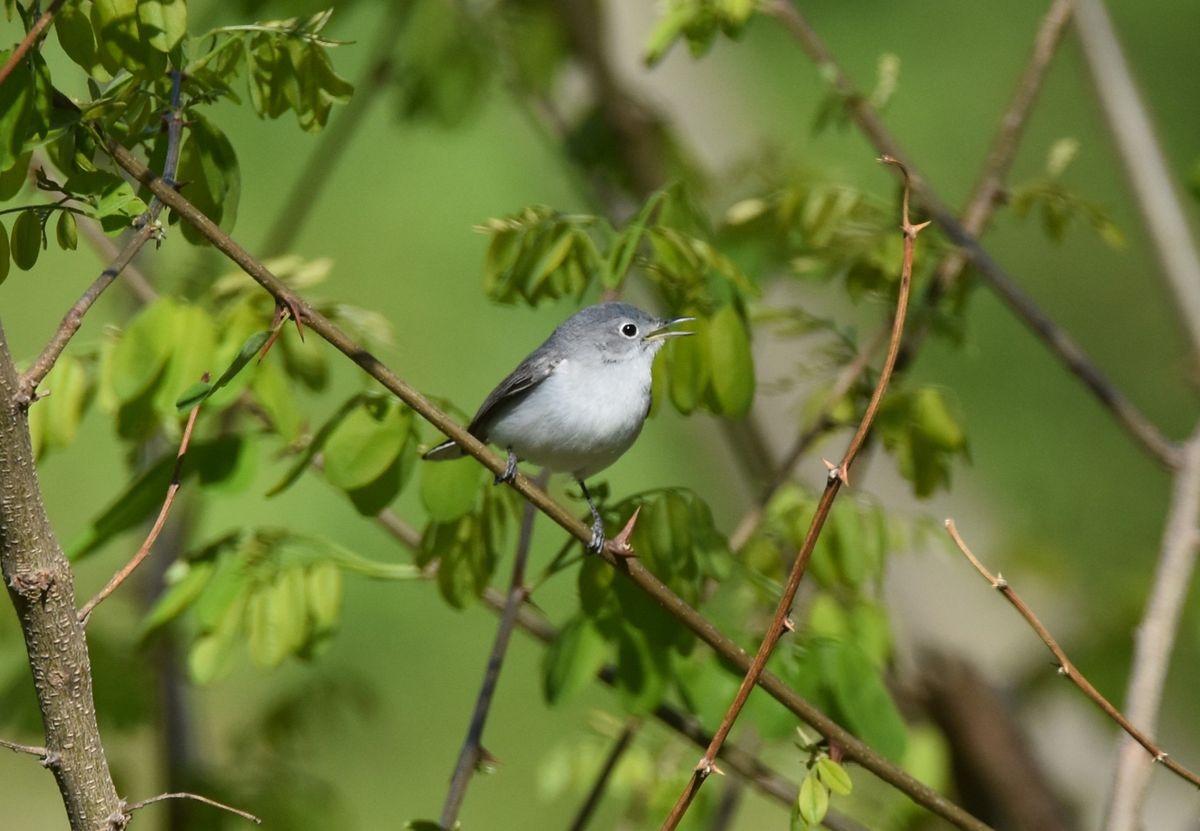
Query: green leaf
[[185, 583], [449, 489], [833, 776], [732, 362], [26, 240], [162, 23], [275, 396], [813, 800], [202, 390], [643, 670], [315, 446], [209, 166], [75, 35], [211, 654], [860, 694], [934, 420], [572, 660], [323, 584], [4, 254], [66, 231], [689, 367], [143, 350], [366, 443], [54, 421], [119, 40]]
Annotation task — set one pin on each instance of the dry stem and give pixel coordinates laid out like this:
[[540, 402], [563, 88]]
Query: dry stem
[[144, 551], [1065, 666]]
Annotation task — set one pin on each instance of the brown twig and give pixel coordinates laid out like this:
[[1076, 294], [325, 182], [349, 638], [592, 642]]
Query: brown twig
[[17, 747], [596, 792], [146, 228], [31, 37], [137, 806], [629, 567], [472, 752], [144, 551], [1054, 337], [838, 475], [1065, 666]]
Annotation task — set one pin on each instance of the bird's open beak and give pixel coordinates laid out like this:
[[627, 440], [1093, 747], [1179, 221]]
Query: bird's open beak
[[664, 331]]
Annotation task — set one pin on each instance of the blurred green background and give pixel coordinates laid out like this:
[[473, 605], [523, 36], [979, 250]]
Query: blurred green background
[[1055, 496]]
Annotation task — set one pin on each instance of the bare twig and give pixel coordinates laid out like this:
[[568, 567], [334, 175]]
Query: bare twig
[[1065, 666], [1156, 638], [838, 475], [137, 806], [472, 751], [146, 228], [17, 747], [144, 551], [31, 37], [627, 566], [1054, 337], [1147, 168], [596, 792]]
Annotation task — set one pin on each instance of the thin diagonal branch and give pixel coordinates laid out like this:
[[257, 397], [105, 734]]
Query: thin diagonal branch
[[144, 551], [1156, 638], [596, 792], [1141, 152], [31, 37], [137, 806], [1053, 337], [780, 622], [472, 752], [1066, 667], [627, 566], [146, 228]]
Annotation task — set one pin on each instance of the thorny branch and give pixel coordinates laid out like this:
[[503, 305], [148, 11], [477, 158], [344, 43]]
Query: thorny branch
[[1065, 666], [144, 551], [628, 566], [31, 37], [137, 806], [838, 475]]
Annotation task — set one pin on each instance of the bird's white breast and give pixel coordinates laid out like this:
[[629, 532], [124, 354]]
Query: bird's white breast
[[581, 418]]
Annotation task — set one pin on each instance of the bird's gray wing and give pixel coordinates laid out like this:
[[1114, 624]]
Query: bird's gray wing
[[531, 372]]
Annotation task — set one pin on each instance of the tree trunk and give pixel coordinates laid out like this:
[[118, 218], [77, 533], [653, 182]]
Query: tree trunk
[[42, 589]]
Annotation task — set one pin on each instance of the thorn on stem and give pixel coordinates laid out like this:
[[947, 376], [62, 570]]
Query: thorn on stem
[[619, 545], [789, 624]]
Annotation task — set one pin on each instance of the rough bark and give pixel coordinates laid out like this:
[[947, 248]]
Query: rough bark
[[41, 585]]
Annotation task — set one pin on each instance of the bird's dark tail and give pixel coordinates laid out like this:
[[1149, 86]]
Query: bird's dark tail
[[444, 452]]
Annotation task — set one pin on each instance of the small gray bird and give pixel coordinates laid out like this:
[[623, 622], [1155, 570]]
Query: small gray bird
[[578, 401]]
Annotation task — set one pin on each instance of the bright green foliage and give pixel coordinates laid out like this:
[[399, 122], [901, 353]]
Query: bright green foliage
[[26, 240], [676, 540], [277, 591], [208, 164], [823, 778], [449, 489], [698, 22], [571, 662], [921, 430], [1057, 205], [54, 422], [468, 548]]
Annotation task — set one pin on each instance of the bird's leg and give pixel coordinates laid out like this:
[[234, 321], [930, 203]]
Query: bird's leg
[[510, 469], [597, 541]]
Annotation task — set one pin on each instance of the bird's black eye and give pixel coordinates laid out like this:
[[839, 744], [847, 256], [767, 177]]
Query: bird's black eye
[[629, 330]]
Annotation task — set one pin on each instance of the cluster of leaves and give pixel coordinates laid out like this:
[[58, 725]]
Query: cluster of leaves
[[277, 591], [698, 22], [823, 777], [467, 530], [541, 254], [134, 53], [827, 230], [923, 433], [1058, 206], [841, 651], [675, 539]]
